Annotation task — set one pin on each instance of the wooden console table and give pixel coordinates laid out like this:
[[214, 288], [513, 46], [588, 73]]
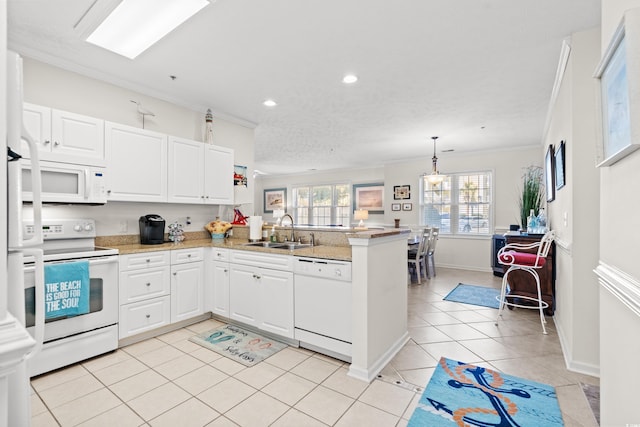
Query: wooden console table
[[523, 283]]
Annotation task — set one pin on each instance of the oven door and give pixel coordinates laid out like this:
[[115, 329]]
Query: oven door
[[103, 301]]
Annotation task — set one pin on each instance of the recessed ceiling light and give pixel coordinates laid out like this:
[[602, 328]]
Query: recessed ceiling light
[[270, 103], [350, 78]]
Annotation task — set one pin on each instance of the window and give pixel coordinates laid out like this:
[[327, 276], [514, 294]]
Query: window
[[460, 205], [328, 204]]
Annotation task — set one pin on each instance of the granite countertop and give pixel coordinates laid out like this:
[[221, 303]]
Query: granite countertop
[[340, 253]]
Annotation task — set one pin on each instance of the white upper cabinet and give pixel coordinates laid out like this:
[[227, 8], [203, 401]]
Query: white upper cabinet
[[137, 161], [65, 137], [199, 173]]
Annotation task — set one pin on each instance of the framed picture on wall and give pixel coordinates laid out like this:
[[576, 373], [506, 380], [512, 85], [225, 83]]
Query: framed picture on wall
[[401, 192], [617, 114], [549, 173], [369, 197], [275, 198], [407, 206], [559, 166], [395, 206]]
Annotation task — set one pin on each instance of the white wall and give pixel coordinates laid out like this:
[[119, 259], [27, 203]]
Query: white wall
[[619, 269], [461, 252], [65, 90], [577, 238]]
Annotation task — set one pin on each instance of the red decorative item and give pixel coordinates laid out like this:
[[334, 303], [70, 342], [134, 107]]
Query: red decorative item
[[238, 218]]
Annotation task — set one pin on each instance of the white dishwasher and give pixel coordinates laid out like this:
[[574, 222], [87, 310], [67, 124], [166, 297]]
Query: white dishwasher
[[322, 294]]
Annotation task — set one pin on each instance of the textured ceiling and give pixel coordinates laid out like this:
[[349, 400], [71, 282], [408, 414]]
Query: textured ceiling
[[477, 73]]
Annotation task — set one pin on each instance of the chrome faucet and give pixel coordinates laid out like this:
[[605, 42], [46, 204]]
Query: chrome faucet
[[292, 239], [312, 239]]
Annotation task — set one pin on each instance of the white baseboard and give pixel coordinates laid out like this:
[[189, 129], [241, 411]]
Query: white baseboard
[[368, 373], [567, 354]]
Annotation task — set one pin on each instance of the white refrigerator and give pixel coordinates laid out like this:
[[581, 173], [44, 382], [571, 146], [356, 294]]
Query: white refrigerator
[[16, 344]]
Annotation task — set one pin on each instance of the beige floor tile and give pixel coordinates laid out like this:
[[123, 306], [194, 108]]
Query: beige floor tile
[[450, 306], [295, 418], [530, 345], [451, 350], [227, 394], [204, 326], [256, 411], [158, 401], [175, 336], [44, 419], [197, 381], [418, 377], [144, 346], [360, 414], [228, 366], [70, 390], [37, 405], [159, 356], [179, 366], [314, 369], [388, 397], [105, 360], [259, 375], [440, 319], [119, 371], [461, 332], [469, 316], [289, 388], [222, 422], [342, 383], [412, 406], [415, 320], [324, 404], [55, 378], [526, 368], [138, 384], [492, 330], [206, 355], [192, 413], [412, 356], [489, 349], [188, 347], [121, 415], [287, 358], [328, 359], [428, 334], [574, 404], [85, 407]]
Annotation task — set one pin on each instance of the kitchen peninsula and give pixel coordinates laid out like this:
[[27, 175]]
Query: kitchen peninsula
[[374, 260]]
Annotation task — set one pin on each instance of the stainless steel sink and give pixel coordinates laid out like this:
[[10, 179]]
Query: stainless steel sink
[[285, 245]]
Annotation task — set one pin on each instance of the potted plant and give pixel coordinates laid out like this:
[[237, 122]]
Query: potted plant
[[532, 193]]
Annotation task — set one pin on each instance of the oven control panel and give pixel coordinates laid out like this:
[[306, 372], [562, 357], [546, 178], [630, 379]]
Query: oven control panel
[[64, 229]]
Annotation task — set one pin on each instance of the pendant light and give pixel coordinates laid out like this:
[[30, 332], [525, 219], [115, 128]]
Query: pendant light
[[435, 178]]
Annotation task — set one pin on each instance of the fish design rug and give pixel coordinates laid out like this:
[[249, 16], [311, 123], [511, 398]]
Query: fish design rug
[[461, 394], [243, 346]]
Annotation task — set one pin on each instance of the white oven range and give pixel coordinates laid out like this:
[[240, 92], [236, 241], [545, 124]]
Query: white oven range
[[71, 339]]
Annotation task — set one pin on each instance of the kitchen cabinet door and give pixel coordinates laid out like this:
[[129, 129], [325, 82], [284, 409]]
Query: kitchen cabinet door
[[187, 291], [220, 295], [77, 137], [137, 162], [276, 302], [37, 121], [218, 175], [244, 296], [186, 171]]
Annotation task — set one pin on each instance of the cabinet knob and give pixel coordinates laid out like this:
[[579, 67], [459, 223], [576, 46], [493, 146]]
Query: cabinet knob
[[56, 143], [225, 270], [148, 283], [108, 191], [148, 316], [47, 142], [148, 260], [188, 255], [175, 273]]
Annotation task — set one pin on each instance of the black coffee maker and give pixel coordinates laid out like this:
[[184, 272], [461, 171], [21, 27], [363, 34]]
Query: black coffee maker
[[151, 229]]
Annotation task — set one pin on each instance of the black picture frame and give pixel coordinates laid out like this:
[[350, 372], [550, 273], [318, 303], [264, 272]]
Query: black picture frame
[[407, 206], [401, 192], [549, 174], [559, 165], [395, 206]]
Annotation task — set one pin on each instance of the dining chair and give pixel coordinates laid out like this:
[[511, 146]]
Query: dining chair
[[430, 253], [518, 256], [415, 257]]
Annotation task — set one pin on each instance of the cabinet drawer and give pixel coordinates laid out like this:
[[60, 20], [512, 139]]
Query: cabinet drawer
[[256, 259], [144, 260], [144, 315], [218, 254], [139, 285], [182, 256]]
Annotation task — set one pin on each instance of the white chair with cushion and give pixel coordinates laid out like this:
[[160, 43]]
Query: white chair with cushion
[[416, 257], [430, 252], [519, 256]]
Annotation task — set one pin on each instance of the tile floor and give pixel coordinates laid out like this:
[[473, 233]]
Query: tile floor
[[169, 381]]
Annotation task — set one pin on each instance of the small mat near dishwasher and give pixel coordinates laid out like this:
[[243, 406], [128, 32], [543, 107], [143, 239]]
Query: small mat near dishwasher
[[238, 344], [461, 394], [476, 295]]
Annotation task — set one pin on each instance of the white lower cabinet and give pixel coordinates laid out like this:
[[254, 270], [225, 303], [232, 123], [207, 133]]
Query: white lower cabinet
[[259, 296], [187, 284], [144, 315]]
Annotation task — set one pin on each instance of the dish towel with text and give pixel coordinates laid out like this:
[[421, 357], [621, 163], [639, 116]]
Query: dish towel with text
[[66, 289]]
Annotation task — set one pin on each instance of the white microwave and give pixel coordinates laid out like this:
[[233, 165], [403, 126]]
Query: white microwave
[[67, 183]]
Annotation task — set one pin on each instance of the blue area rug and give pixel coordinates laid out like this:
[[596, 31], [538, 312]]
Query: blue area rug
[[476, 295], [460, 394]]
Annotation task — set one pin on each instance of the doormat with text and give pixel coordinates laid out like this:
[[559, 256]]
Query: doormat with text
[[238, 344]]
